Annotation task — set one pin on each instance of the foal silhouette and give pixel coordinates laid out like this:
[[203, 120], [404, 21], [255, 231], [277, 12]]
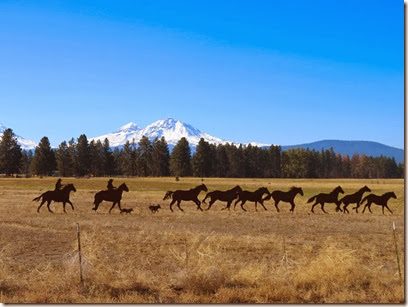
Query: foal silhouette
[[378, 200], [288, 197], [185, 195], [225, 196], [255, 196], [56, 196], [110, 195], [323, 198]]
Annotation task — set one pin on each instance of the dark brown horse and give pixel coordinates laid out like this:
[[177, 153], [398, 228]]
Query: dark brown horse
[[255, 196], [110, 195], [185, 195], [354, 199], [378, 200], [226, 196], [56, 196], [288, 197], [323, 198]]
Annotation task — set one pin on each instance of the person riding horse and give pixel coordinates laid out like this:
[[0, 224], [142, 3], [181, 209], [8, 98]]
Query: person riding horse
[[110, 185], [58, 185]]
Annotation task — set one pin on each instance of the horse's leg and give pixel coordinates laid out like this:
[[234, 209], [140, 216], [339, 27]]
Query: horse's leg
[[388, 209], [345, 208], [235, 204], [178, 205], [198, 203], [292, 203], [210, 204], [338, 204], [171, 204], [261, 202], [369, 208], [69, 202], [120, 208], [322, 207], [242, 205], [42, 203], [228, 205], [63, 206], [114, 203], [276, 205], [48, 206], [313, 207]]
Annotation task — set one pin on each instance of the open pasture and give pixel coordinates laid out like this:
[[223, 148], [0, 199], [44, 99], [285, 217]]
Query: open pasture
[[198, 257]]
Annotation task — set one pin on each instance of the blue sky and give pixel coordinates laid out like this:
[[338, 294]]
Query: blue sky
[[282, 72]]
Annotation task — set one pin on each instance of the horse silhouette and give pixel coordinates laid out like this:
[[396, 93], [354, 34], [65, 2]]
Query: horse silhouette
[[185, 195], [288, 197], [323, 198], [56, 196], [225, 196], [255, 196], [354, 198], [378, 200], [110, 195]]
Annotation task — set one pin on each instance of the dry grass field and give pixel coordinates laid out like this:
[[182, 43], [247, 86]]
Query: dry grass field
[[198, 257]]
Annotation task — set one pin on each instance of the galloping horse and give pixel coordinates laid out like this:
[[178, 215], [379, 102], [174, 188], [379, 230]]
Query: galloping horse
[[323, 198], [227, 196], [256, 197], [378, 200], [110, 195], [186, 195], [57, 196], [354, 199], [288, 197]]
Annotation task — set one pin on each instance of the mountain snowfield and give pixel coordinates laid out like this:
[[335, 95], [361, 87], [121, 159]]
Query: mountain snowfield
[[172, 130], [24, 143]]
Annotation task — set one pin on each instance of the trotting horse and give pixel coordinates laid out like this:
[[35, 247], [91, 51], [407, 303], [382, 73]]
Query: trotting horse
[[110, 195], [57, 196], [378, 200], [255, 196], [226, 196], [354, 198], [186, 195], [288, 197], [323, 198]]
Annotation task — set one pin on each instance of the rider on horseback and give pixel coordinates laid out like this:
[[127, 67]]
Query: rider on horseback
[[110, 185], [58, 185]]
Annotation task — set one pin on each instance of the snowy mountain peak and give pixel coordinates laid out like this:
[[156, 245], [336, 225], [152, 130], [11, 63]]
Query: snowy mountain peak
[[129, 127], [24, 143]]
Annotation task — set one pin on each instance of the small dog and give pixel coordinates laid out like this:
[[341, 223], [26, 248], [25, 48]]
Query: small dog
[[154, 209], [127, 211]]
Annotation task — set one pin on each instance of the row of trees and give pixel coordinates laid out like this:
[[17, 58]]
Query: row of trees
[[153, 158]]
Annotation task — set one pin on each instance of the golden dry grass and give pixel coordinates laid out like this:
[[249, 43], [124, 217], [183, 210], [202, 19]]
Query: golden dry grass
[[198, 257]]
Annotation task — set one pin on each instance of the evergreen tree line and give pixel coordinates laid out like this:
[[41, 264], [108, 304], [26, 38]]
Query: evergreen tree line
[[152, 158]]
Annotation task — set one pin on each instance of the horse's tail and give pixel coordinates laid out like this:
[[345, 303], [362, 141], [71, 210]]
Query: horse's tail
[[364, 199], [312, 199], [39, 197], [168, 195]]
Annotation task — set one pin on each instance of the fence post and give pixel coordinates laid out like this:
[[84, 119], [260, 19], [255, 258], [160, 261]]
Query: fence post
[[79, 255], [396, 250]]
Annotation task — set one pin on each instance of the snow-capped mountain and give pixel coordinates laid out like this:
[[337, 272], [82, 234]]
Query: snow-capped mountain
[[172, 130], [24, 143]]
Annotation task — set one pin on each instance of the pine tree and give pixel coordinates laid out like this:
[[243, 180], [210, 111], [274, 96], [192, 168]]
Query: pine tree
[[180, 159], [109, 167], [10, 153], [144, 157], [27, 158], [64, 160], [44, 162], [83, 156], [128, 159], [202, 159], [160, 158]]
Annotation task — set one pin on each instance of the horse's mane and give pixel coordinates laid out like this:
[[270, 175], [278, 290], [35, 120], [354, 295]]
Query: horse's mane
[[67, 186]]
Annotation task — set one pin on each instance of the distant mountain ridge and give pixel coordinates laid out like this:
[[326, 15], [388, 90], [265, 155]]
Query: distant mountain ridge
[[368, 148], [173, 130]]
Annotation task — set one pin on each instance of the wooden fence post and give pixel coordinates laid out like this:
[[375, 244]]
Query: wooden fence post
[[79, 255]]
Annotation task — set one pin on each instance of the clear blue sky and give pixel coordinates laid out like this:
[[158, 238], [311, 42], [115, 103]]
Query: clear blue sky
[[282, 72]]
